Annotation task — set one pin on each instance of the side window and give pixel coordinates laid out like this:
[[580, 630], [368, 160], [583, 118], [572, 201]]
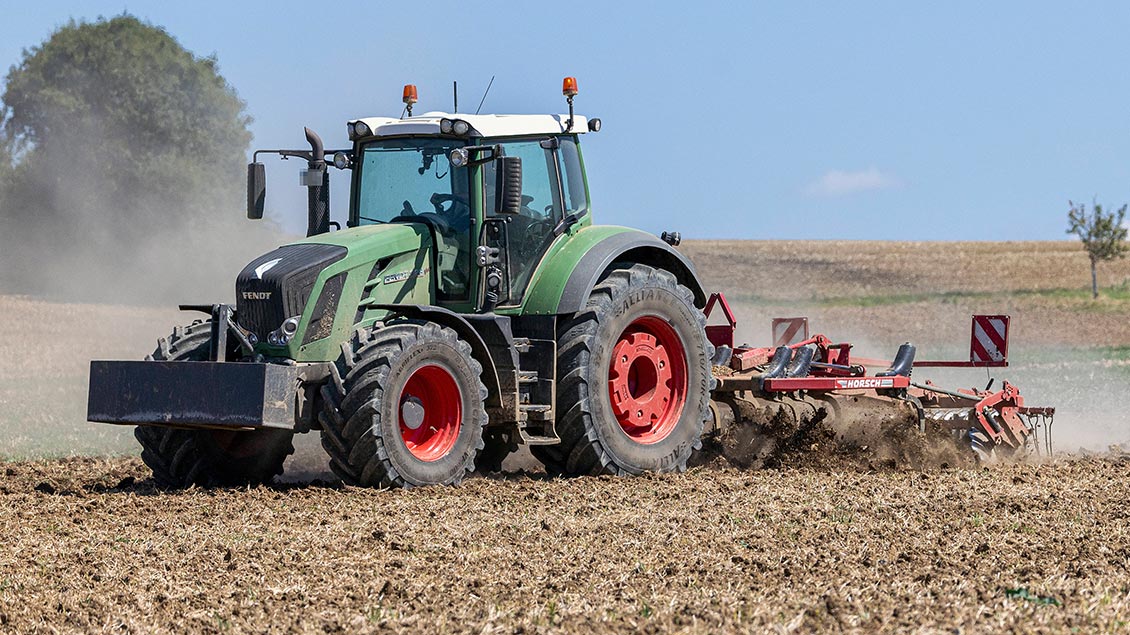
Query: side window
[[540, 196], [572, 176]]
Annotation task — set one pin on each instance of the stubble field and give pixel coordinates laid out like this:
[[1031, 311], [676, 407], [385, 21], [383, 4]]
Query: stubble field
[[91, 546]]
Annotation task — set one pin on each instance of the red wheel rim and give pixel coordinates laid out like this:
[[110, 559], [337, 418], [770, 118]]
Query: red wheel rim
[[430, 412], [647, 380]]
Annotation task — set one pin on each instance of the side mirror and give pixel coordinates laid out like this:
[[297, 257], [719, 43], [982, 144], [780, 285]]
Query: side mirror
[[256, 190], [508, 187]]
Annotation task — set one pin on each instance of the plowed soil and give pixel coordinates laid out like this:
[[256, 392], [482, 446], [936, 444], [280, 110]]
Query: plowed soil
[[813, 535], [90, 546]]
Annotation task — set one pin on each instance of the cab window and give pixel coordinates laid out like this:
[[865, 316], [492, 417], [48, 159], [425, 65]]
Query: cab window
[[413, 181], [572, 176], [541, 198]]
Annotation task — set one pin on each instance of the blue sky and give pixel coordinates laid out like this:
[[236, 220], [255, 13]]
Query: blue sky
[[861, 120]]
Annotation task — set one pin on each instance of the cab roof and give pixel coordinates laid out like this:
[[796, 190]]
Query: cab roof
[[481, 125]]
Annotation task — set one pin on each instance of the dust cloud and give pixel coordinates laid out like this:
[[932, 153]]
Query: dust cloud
[[64, 238]]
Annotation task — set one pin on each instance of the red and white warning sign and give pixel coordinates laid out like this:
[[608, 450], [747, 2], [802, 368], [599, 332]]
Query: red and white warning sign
[[988, 343], [788, 331]]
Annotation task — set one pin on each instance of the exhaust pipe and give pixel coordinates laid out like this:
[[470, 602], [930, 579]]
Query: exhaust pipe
[[318, 183]]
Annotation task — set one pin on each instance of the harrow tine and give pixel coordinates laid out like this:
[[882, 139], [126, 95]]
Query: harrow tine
[[1037, 420]]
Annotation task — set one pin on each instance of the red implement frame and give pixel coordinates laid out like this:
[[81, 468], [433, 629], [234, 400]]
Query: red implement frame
[[720, 334], [788, 331], [988, 347], [998, 413]]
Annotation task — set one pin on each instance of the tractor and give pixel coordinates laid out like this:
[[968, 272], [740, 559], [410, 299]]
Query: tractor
[[469, 305]]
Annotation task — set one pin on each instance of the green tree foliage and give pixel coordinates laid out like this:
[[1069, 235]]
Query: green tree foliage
[[1102, 233], [125, 150]]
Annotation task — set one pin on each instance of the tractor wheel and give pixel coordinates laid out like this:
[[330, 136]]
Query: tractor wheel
[[182, 458], [404, 407], [634, 378], [551, 457]]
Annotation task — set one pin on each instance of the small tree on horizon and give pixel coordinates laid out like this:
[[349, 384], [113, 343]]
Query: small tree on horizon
[[1102, 233]]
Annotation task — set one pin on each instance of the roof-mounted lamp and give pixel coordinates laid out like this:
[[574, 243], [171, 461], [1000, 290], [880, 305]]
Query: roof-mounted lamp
[[569, 89], [409, 97]]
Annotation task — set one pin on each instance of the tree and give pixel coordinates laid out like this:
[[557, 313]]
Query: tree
[[126, 150], [1102, 233]]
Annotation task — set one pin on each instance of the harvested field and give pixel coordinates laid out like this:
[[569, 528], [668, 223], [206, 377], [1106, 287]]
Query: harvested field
[[920, 291], [89, 546], [805, 269]]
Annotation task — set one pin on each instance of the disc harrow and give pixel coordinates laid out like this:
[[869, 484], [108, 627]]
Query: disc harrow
[[815, 378]]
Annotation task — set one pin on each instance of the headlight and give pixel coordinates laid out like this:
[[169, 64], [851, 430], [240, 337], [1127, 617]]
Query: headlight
[[341, 160], [281, 336], [445, 126], [290, 327], [594, 125], [460, 127], [459, 157], [361, 129], [349, 128]]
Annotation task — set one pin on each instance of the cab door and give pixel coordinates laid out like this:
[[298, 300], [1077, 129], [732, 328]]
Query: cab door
[[522, 239]]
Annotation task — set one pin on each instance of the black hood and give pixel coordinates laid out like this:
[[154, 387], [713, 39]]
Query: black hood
[[277, 285]]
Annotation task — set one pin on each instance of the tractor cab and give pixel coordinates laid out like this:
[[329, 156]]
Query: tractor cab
[[492, 192], [452, 173]]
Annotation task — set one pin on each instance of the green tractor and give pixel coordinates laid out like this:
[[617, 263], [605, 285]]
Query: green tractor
[[469, 306]]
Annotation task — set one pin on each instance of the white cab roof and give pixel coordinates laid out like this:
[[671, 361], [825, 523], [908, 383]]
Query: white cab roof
[[485, 125]]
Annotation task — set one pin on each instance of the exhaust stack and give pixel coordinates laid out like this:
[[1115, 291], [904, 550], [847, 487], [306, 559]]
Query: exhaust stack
[[317, 180]]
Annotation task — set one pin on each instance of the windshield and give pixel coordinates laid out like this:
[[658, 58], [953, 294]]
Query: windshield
[[401, 178]]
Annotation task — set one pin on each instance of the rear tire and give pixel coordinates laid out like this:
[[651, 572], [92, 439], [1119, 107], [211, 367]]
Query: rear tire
[[182, 458], [404, 407], [634, 378]]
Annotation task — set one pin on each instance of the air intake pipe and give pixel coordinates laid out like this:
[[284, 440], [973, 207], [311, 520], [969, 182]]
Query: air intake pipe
[[317, 181]]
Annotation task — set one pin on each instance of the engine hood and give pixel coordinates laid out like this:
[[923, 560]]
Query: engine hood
[[311, 278], [376, 241]]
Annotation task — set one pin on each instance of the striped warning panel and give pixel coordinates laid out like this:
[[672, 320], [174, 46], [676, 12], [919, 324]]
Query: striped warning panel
[[787, 331], [989, 339]]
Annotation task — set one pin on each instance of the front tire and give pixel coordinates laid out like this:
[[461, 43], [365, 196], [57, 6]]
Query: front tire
[[634, 368], [404, 407], [182, 458]]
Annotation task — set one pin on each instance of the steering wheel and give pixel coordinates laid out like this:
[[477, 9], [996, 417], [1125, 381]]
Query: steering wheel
[[432, 219], [428, 218], [437, 200], [540, 226]]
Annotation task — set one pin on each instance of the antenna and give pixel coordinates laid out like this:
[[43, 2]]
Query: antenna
[[455, 96], [485, 95]]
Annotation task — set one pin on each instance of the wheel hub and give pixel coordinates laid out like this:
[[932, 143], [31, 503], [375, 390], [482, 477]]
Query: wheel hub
[[647, 380], [412, 412]]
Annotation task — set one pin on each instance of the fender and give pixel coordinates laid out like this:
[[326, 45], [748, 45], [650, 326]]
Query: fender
[[566, 276], [458, 323]]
